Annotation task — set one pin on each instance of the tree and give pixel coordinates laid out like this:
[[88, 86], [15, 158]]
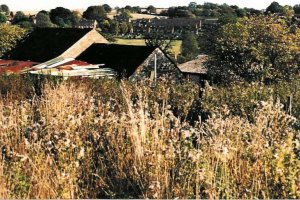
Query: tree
[[43, 20], [192, 5], [136, 9], [297, 9], [9, 35], [4, 8], [95, 13], [241, 12], [76, 18], [107, 8], [105, 26], [26, 25], [288, 12], [19, 17], [3, 18], [189, 47], [180, 11], [260, 48], [128, 8], [123, 28], [274, 7], [125, 15], [61, 16], [151, 9], [158, 39], [114, 27]]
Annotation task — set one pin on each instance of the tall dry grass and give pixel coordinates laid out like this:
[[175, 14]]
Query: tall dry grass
[[83, 140]]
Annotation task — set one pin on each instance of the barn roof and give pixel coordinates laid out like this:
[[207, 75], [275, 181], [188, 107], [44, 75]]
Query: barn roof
[[124, 59], [44, 44], [196, 66]]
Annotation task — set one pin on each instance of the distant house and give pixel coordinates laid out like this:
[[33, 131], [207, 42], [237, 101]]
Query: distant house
[[195, 70], [134, 62], [167, 26], [85, 23], [45, 44]]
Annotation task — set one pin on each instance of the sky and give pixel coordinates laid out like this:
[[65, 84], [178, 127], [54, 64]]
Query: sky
[[31, 5]]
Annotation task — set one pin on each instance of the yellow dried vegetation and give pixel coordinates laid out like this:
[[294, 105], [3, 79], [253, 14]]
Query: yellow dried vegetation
[[77, 142]]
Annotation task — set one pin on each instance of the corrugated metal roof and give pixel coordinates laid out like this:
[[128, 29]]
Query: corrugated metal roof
[[75, 68], [14, 66]]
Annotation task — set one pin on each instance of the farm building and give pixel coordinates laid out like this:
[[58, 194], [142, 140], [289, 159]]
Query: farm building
[[195, 70], [44, 44], [167, 26], [134, 62], [86, 23], [84, 52]]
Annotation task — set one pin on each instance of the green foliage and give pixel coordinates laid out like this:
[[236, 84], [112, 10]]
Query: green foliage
[[95, 13], [114, 27], [4, 8], [288, 12], [260, 48], [158, 39], [26, 25], [242, 98], [3, 18], [189, 47], [107, 8], [226, 13], [9, 35], [19, 17], [43, 20], [180, 11], [297, 9], [124, 28], [76, 18], [151, 9], [274, 7], [61, 16]]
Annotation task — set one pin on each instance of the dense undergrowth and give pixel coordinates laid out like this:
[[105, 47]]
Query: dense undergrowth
[[109, 139]]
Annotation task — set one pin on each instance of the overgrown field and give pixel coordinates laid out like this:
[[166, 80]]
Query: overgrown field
[[109, 139]]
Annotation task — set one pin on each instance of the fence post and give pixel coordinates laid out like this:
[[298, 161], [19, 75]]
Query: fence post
[[289, 104]]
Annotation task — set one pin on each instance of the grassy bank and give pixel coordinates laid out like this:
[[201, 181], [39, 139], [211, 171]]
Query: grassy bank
[[176, 45]]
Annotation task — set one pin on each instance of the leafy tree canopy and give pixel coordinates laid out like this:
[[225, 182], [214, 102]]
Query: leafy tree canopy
[[61, 16], [260, 48], [151, 9], [9, 35], [3, 18], [4, 8], [158, 39], [189, 47], [19, 17], [95, 13], [297, 9], [107, 8], [43, 20], [275, 7]]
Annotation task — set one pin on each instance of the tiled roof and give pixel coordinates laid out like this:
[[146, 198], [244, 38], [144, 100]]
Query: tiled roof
[[196, 66]]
